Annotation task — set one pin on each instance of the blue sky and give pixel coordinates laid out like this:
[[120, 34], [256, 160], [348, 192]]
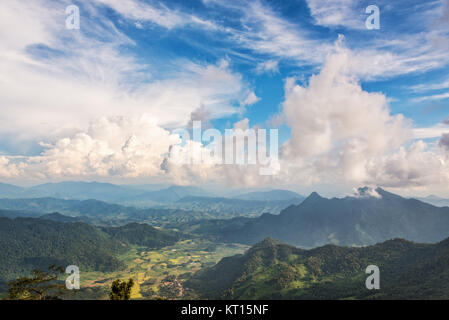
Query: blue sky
[[158, 46], [72, 100]]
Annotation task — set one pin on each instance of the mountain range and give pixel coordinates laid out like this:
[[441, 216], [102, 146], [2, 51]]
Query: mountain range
[[272, 270], [107, 214], [107, 192], [350, 221], [436, 201], [234, 206], [189, 198]]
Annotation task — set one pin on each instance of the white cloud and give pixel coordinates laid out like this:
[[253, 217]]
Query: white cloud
[[349, 135], [345, 117], [250, 99], [366, 192], [64, 79], [440, 96], [121, 147], [337, 13], [415, 166], [8, 169], [264, 31], [430, 132], [430, 86], [444, 142], [159, 14], [242, 124], [269, 66]]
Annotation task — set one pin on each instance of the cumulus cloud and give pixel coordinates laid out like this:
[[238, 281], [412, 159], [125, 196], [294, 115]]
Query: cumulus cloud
[[63, 79], [9, 169], [366, 192], [242, 124], [200, 114], [444, 142], [119, 146], [334, 115], [445, 121], [250, 99], [349, 135], [415, 166], [136, 149]]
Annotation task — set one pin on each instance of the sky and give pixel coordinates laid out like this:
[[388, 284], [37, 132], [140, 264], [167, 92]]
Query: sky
[[354, 106]]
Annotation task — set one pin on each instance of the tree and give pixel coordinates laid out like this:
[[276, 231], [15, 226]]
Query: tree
[[121, 290], [42, 285]]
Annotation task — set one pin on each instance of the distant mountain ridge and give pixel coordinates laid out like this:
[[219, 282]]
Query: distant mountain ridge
[[9, 190], [95, 211], [140, 196], [436, 201], [180, 207], [271, 195], [241, 207], [107, 214], [351, 221]]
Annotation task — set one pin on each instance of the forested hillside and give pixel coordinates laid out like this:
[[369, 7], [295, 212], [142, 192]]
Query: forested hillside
[[272, 270]]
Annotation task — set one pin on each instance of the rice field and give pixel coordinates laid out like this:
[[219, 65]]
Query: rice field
[[159, 274]]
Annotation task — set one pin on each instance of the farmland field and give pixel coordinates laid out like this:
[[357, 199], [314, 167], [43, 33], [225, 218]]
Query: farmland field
[[159, 273]]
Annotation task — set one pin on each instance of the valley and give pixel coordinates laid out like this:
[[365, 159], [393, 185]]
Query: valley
[[199, 247], [159, 274]]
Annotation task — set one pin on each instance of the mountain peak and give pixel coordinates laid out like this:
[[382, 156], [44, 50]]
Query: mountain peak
[[267, 242], [313, 196]]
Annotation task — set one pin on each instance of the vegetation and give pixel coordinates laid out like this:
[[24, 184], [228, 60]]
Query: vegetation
[[205, 257], [121, 290], [143, 234], [42, 285], [29, 244], [160, 273], [271, 270]]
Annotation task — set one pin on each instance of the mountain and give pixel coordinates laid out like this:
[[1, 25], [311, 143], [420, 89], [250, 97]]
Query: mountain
[[120, 194], [107, 214], [95, 211], [272, 270], [18, 213], [164, 196], [83, 191], [36, 243], [436, 201], [9, 190], [272, 195], [228, 207], [352, 221], [55, 216], [143, 234], [29, 243]]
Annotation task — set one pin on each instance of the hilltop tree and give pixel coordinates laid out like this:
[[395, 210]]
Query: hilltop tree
[[121, 290], [42, 285]]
